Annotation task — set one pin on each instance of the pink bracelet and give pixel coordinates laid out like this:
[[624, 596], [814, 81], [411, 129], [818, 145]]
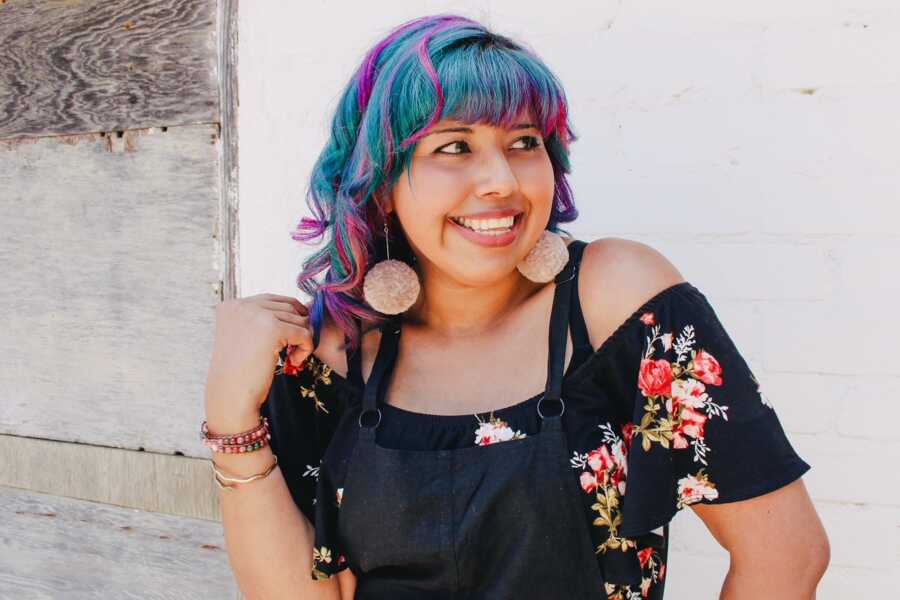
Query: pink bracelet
[[247, 441]]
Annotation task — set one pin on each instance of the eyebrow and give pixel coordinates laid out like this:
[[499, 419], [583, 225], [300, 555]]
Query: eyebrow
[[469, 129]]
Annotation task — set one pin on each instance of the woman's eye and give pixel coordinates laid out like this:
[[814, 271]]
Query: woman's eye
[[532, 144], [450, 145]]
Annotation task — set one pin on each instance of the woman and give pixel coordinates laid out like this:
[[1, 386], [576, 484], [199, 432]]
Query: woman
[[409, 466]]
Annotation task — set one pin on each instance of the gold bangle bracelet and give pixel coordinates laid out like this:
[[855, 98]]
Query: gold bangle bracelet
[[219, 476]]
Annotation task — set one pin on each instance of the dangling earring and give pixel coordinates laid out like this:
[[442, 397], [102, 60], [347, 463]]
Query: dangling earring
[[546, 259], [390, 286]]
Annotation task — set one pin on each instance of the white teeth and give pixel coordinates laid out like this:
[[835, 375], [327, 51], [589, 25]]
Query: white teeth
[[486, 225]]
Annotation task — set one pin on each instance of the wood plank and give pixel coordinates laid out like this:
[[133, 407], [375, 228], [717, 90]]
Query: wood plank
[[228, 92], [162, 483], [54, 547], [112, 275], [104, 65]]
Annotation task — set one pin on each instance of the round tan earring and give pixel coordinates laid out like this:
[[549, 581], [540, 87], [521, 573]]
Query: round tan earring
[[546, 259], [390, 286]]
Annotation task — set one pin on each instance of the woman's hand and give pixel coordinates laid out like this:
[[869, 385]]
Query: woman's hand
[[250, 333]]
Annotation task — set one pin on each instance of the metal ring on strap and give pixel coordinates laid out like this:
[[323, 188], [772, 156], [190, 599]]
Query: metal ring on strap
[[560, 412], [378, 410]]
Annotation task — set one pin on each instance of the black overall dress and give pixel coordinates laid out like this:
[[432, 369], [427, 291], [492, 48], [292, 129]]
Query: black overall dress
[[664, 414], [471, 523]]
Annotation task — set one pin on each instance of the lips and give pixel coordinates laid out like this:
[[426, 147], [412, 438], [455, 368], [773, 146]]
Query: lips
[[492, 237]]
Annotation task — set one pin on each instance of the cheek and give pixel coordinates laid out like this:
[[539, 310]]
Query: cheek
[[423, 209], [537, 183], [541, 174], [434, 192]]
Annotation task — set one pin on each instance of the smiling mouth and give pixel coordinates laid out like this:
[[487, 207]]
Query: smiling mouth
[[495, 226]]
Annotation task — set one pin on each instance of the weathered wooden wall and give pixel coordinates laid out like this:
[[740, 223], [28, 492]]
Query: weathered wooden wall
[[118, 198], [103, 65], [54, 548], [111, 277]]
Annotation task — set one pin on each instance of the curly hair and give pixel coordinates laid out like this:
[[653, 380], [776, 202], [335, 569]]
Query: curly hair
[[425, 70]]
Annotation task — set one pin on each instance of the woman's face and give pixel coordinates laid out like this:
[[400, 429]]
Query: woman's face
[[476, 199]]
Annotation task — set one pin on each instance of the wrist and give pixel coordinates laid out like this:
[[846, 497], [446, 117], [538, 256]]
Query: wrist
[[222, 420]]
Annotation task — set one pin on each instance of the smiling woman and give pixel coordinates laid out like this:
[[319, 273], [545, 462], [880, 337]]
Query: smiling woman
[[528, 425], [438, 112]]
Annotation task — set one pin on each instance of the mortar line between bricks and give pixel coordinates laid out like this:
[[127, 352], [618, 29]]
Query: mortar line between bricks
[[855, 504]]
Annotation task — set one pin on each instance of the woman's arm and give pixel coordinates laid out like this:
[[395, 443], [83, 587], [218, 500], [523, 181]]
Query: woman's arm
[[778, 546], [269, 541]]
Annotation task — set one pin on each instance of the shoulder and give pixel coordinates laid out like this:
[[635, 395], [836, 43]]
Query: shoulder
[[332, 352], [616, 277]]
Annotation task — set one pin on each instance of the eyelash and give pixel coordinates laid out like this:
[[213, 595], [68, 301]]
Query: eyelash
[[534, 145]]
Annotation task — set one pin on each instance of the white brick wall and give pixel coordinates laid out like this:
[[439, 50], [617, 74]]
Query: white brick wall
[[754, 144]]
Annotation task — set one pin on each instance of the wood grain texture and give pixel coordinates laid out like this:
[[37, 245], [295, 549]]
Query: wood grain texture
[[228, 234], [53, 548], [175, 485], [104, 65], [111, 281]]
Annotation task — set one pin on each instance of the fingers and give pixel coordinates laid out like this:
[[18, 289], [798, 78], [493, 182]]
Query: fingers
[[296, 337], [296, 334], [277, 300], [289, 317]]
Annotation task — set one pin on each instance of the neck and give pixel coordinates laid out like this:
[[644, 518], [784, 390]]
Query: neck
[[456, 310]]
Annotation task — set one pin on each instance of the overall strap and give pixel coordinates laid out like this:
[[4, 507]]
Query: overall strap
[[354, 363], [581, 340], [384, 362], [559, 326], [558, 331]]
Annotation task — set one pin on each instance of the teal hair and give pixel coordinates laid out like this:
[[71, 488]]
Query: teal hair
[[428, 69]]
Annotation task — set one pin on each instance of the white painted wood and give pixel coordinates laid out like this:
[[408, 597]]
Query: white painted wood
[[55, 548], [176, 485], [111, 276]]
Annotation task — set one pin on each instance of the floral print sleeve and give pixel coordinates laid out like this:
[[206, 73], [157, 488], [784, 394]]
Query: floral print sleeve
[[304, 407], [703, 429], [696, 427]]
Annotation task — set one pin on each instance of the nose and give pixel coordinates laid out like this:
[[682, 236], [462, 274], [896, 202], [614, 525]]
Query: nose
[[495, 175]]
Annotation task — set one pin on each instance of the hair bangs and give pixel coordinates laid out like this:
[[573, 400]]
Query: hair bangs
[[484, 79]]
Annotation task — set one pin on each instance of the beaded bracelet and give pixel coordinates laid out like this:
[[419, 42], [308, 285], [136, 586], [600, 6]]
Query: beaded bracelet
[[248, 441]]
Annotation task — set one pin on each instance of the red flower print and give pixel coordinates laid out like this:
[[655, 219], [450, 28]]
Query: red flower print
[[289, 368], [494, 430], [679, 442], [600, 460], [655, 377], [644, 556], [694, 488], [662, 571], [627, 434], [588, 481], [691, 422], [707, 368], [617, 480], [687, 392], [648, 319]]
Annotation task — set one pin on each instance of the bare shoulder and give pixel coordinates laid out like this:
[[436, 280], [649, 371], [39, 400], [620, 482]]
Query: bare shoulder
[[331, 348], [616, 277]]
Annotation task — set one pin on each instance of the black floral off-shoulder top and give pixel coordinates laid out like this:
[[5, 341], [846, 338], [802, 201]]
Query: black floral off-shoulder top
[[665, 414]]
